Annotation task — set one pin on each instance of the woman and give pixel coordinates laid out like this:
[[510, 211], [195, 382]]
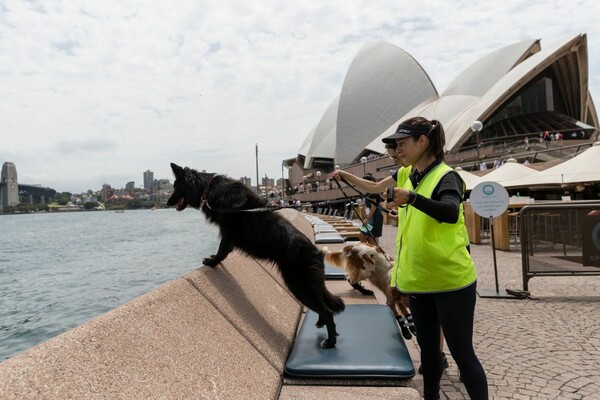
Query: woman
[[434, 265]]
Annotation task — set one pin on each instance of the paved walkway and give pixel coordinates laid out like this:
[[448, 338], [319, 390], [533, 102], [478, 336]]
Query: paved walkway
[[530, 349]]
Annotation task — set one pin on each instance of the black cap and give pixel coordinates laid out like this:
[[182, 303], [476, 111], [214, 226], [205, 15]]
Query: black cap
[[404, 131]]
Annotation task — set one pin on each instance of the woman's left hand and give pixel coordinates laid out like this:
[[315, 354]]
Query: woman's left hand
[[401, 196]]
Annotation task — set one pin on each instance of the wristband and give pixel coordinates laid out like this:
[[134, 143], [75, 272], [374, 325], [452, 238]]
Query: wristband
[[412, 197]]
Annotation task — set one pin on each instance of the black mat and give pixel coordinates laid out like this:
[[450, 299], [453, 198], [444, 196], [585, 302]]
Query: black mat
[[332, 272], [370, 345]]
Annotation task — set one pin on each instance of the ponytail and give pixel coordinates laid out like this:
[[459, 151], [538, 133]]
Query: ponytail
[[437, 140]]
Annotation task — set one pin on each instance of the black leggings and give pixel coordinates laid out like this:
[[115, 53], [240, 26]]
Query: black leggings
[[454, 311]]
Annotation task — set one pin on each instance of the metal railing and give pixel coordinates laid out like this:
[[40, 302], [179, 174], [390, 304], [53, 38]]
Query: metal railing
[[560, 239]]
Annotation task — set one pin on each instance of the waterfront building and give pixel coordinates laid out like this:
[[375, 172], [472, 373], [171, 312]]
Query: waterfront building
[[516, 92], [161, 190], [130, 186], [9, 187], [269, 183], [148, 179], [107, 192], [246, 181]]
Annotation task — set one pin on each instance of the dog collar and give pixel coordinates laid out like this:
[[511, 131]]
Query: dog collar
[[205, 191]]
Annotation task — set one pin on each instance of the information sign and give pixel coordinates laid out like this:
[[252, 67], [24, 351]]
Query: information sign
[[489, 199]]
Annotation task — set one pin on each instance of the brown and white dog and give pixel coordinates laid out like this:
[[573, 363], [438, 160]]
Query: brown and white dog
[[363, 261]]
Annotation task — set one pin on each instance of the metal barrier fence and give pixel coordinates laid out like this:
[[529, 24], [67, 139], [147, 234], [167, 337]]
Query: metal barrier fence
[[560, 240]]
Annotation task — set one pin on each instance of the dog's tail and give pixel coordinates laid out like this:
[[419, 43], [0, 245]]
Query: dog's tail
[[333, 257], [334, 303]]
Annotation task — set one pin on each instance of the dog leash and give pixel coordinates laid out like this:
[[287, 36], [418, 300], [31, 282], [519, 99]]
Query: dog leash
[[354, 209], [233, 211], [363, 195]]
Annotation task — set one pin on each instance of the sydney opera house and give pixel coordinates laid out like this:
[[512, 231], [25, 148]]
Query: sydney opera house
[[518, 93]]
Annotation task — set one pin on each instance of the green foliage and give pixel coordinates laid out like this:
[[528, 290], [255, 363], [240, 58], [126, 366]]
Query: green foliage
[[91, 205], [135, 204], [42, 207], [63, 198]]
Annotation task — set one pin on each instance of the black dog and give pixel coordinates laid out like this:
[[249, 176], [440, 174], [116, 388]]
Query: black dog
[[261, 234]]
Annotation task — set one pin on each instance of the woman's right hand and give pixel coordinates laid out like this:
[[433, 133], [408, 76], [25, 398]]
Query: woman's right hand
[[337, 174]]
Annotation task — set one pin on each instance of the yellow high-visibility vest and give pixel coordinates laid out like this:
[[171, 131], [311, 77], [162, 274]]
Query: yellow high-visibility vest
[[433, 256], [401, 178]]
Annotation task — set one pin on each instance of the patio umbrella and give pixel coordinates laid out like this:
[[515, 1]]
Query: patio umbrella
[[471, 180], [509, 171], [579, 169]]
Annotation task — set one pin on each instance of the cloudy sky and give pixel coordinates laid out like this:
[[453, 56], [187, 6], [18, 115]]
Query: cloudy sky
[[95, 92]]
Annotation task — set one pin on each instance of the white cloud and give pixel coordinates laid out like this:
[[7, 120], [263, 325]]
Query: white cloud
[[126, 86]]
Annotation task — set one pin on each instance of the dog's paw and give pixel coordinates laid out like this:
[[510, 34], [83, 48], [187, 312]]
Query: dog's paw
[[406, 333], [320, 323], [362, 289], [405, 326], [328, 343], [411, 324], [211, 261]]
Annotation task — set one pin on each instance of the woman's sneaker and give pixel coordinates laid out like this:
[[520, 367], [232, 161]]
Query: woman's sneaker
[[445, 363]]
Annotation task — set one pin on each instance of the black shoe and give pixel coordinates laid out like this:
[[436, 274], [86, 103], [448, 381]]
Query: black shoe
[[404, 327], [411, 324], [445, 363], [361, 289]]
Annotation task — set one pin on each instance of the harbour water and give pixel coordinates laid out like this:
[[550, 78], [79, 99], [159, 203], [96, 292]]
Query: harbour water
[[59, 270]]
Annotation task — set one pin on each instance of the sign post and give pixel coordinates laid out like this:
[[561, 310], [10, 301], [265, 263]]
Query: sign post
[[490, 200]]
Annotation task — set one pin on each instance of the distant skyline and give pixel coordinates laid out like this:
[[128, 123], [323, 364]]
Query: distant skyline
[[99, 92]]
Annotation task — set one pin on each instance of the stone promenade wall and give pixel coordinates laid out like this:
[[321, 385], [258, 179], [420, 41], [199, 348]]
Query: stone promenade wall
[[214, 333]]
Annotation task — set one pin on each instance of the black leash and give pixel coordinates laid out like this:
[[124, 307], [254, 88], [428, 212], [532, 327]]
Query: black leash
[[354, 210], [361, 194], [233, 211]]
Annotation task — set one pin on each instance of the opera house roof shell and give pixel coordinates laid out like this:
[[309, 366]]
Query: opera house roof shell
[[518, 89]]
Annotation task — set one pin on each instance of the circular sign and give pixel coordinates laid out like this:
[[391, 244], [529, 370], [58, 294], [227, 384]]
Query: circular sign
[[489, 199]]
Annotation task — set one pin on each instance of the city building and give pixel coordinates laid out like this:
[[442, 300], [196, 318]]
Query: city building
[[148, 180], [107, 192], [9, 187], [246, 181], [267, 182]]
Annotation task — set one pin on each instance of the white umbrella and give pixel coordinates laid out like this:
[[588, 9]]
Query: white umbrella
[[471, 180], [509, 171], [583, 168]]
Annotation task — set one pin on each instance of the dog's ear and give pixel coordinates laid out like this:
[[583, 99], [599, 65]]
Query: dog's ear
[[177, 170]]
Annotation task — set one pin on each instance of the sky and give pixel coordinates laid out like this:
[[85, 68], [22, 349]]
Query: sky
[[95, 92]]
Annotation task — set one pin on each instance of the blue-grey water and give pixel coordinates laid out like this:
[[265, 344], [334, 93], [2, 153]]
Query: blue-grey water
[[59, 270]]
